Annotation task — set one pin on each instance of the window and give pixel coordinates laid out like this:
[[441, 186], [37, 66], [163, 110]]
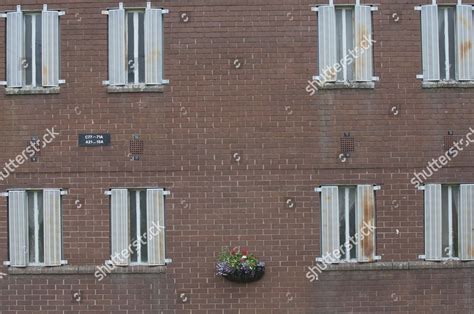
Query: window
[[447, 50], [449, 222], [135, 46], [137, 227], [348, 223], [33, 49], [345, 44], [35, 228]]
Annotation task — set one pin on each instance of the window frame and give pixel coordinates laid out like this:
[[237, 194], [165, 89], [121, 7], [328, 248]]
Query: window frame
[[115, 83], [450, 222], [36, 87], [463, 73], [348, 259], [129, 191], [361, 78], [28, 191]]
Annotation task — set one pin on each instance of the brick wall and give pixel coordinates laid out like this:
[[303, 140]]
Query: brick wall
[[287, 143]]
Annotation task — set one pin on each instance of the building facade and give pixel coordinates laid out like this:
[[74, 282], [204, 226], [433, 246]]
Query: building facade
[[289, 127]]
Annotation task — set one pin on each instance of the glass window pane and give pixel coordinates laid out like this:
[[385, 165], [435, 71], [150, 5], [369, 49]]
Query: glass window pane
[[352, 219], [40, 227], [446, 18], [445, 221], [442, 54], [35, 226], [130, 48], [38, 48], [141, 47], [342, 223], [344, 16], [143, 226], [452, 53], [27, 57], [349, 42], [339, 33], [133, 224], [456, 200], [31, 227]]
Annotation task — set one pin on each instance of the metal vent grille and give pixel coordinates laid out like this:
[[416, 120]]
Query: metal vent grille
[[449, 141], [136, 148], [347, 144]]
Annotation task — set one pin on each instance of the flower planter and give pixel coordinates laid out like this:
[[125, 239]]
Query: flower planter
[[243, 277], [238, 265]]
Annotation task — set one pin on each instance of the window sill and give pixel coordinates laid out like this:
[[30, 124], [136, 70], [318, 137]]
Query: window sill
[[448, 84], [79, 270], [347, 85], [413, 265], [32, 90], [136, 89]]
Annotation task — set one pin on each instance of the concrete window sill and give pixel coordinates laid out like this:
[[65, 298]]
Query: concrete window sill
[[399, 265], [448, 84], [77, 270], [32, 90], [136, 89], [348, 85]]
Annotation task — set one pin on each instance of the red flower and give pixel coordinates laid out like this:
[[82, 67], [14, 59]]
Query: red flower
[[234, 250], [244, 251]]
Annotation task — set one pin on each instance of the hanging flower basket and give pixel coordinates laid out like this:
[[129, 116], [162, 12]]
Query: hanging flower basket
[[238, 265]]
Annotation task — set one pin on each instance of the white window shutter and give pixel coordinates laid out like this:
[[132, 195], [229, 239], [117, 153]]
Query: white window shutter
[[52, 227], [329, 220], [365, 217], [155, 207], [327, 43], [117, 60], [18, 228], [15, 43], [433, 222], [466, 223], [153, 46], [464, 38], [119, 225], [363, 37], [430, 42], [50, 48]]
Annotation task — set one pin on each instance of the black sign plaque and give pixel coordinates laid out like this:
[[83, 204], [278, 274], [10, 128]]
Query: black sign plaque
[[92, 140]]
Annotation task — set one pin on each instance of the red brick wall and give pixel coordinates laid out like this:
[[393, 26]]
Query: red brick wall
[[288, 144]]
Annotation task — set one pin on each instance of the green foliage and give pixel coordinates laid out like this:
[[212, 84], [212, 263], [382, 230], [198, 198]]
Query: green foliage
[[238, 258]]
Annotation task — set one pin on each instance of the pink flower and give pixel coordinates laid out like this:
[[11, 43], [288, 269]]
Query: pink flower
[[234, 250]]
